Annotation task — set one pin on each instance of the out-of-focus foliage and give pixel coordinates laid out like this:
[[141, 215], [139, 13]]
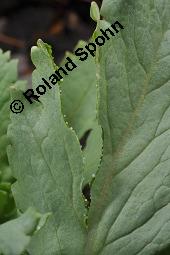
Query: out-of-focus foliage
[[8, 76]]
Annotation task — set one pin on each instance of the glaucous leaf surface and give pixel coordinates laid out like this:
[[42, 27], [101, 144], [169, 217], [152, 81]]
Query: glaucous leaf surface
[[130, 210], [79, 105], [15, 235], [129, 213], [46, 160], [79, 94]]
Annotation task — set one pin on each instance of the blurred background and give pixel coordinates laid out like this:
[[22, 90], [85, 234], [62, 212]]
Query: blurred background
[[61, 23]]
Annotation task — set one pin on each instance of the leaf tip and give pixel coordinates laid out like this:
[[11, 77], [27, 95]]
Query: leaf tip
[[94, 12]]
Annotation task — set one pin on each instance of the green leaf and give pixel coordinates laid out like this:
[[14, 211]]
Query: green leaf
[[15, 235], [92, 153], [79, 94], [47, 162], [130, 210], [95, 12], [8, 75], [79, 105]]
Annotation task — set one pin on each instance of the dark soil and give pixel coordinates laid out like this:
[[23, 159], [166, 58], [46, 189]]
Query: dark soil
[[61, 23]]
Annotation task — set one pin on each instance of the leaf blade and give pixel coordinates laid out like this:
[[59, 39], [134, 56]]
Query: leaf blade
[[79, 94], [53, 165], [133, 112]]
